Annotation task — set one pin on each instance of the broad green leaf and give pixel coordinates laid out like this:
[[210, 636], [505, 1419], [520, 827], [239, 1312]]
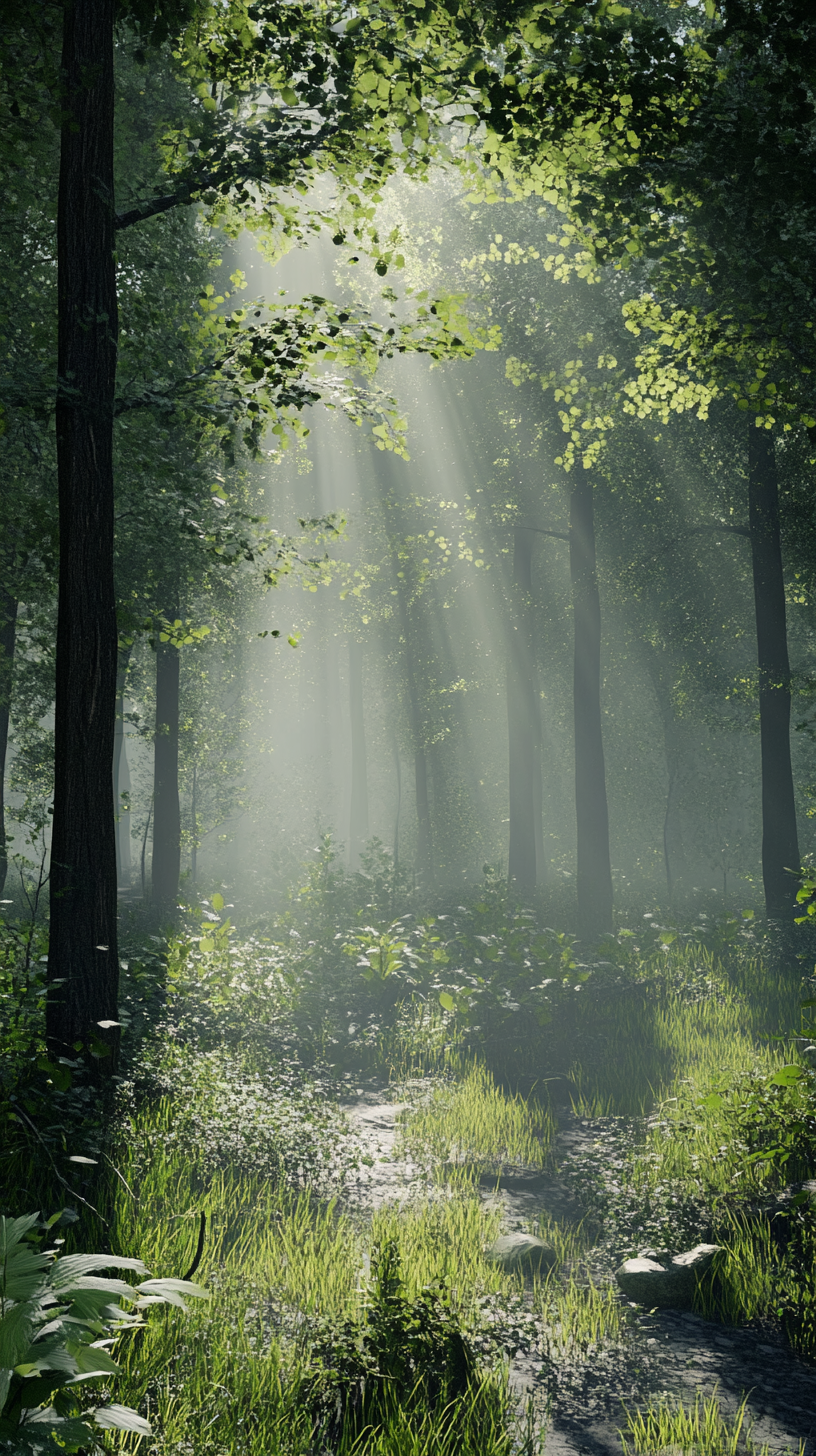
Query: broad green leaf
[[786, 1076], [121, 1418], [16, 1330]]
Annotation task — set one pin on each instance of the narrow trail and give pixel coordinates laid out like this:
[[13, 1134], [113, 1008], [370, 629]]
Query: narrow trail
[[665, 1353]]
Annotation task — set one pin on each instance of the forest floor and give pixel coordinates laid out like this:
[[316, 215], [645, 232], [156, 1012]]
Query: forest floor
[[408, 1090], [658, 1355]]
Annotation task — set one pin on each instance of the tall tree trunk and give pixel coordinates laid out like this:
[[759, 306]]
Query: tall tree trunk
[[594, 872], [522, 711], [674, 855], [8, 642], [423, 812], [83, 961], [424, 852], [358, 819], [194, 828], [166, 866], [121, 783], [398, 769], [780, 844]]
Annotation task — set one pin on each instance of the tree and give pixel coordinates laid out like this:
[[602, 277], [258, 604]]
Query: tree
[[594, 872], [274, 150], [522, 723], [358, 823], [83, 964], [780, 844]]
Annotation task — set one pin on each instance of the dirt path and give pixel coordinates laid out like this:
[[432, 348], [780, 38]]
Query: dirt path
[[668, 1353]]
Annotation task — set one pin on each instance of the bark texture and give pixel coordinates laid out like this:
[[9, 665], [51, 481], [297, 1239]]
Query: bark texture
[[780, 843], [121, 784], [358, 818], [166, 866], [83, 966], [522, 720], [8, 639], [594, 872]]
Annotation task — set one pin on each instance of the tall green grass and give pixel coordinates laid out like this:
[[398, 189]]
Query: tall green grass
[[474, 1122], [677, 1429]]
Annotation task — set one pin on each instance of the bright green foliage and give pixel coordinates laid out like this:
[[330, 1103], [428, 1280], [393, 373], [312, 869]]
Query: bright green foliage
[[473, 1121], [698, 1430], [405, 1354], [58, 1319]]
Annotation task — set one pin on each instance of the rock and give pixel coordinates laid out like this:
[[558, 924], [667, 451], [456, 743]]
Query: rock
[[521, 1252], [670, 1284]]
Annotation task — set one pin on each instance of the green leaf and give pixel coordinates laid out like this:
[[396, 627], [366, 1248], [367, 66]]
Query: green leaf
[[217, 902], [121, 1418], [206, 944], [16, 1329], [786, 1076], [446, 1001]]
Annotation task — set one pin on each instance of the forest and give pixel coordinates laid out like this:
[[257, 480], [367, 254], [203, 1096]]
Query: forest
[[407, 724]]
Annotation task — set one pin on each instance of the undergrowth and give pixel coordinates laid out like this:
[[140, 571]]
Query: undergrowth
[[678, 1051]]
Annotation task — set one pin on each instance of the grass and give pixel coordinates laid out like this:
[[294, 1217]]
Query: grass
[[680, 1430], [676, 1040], [474, 1122], [281, 1264]]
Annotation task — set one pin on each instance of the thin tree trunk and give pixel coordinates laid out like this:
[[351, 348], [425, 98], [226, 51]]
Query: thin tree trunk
[[166, 865], [358, 818], [121, 783], [194, 828], [674, 856], [423, 811], [424, 852], [8, 640], [83, 962], [594, 873], [398, 769], [522, 708], [780, 844]]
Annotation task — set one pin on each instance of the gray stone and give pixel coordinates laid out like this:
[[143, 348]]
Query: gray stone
[[521, 1252], [668, 1284]]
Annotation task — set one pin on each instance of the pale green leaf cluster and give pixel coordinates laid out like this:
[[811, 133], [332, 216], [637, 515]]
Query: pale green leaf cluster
[[58, 1320]]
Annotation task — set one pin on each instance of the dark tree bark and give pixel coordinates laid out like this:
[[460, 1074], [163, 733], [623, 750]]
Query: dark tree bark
[[8, 639], [358, 819], [121, 782], [83, 963], [594, 872], [522, 716], [166, 866], [780, 844]]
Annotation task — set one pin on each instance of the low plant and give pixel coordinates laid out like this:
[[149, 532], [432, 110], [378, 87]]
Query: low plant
[[403, 1358], [698, 1430], [219, 1112], [58, 1319]]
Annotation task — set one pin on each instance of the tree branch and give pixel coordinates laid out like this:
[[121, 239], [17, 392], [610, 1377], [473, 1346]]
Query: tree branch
[[718, 530], [542, 531]]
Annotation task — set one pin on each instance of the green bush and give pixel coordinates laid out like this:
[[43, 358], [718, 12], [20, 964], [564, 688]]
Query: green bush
[[406, 1355], [58, 1319]]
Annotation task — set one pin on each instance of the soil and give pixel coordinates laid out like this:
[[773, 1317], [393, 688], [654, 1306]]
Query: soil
[[663, 1354]]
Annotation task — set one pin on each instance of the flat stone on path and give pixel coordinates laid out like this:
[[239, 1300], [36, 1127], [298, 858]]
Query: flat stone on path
[[521, 1252], [670, 1284]]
